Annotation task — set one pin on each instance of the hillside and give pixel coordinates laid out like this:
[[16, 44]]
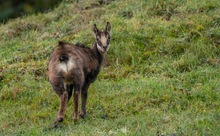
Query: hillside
[[161, 75]]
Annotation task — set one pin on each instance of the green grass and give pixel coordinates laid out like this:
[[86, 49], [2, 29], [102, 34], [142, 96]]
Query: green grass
[[161, 75]]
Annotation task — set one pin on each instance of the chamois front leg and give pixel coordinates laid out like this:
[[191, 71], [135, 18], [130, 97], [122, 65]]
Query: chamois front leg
[[84, 96], [76, 95], [62, 109]]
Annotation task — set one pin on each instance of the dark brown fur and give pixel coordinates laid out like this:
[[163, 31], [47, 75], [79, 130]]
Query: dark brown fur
[[76, 67]]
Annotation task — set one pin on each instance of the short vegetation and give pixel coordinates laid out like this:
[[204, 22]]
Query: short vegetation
[[161, 75]]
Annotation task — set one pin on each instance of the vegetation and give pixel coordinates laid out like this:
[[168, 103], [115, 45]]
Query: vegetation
[[15, 8], [161, 75]]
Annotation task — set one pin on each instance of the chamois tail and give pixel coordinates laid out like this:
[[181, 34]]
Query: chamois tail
[[63, 58]]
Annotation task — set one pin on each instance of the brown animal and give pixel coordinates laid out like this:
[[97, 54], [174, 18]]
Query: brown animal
[[77, 66]]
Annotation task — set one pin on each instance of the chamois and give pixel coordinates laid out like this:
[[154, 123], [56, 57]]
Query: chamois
[[76, 67]]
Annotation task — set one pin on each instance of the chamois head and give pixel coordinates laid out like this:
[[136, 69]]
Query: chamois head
[[102, 38]]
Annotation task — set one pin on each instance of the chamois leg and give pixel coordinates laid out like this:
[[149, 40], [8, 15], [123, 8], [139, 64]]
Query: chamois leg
[[62, 109], [84, 96], [76, 94]]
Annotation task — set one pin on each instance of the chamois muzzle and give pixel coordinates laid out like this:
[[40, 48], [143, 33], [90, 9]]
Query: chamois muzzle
[[105, 47]]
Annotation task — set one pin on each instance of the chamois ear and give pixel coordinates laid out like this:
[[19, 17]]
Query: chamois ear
[[95, 29], [61, 43], [108, 27]]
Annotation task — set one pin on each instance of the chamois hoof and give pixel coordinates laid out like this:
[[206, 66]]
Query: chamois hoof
[[81, 115], [75, 119], [55, 125], [60, 119], [57, 121]]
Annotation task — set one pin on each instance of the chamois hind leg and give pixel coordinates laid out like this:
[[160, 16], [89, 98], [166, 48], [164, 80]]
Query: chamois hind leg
[[76, 94], [63, 103], [84, 96]]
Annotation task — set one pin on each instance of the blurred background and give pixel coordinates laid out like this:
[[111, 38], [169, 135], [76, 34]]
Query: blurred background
[[15, 8]]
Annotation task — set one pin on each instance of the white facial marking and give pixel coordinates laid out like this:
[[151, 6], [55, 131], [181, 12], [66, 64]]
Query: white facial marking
[[107, 48], [103, 39], [100, 48]]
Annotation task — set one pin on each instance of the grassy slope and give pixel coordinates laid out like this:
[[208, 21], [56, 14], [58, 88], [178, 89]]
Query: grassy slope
[[161, 75]]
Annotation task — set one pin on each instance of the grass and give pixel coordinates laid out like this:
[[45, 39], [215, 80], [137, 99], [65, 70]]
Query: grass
[[160, 77]]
